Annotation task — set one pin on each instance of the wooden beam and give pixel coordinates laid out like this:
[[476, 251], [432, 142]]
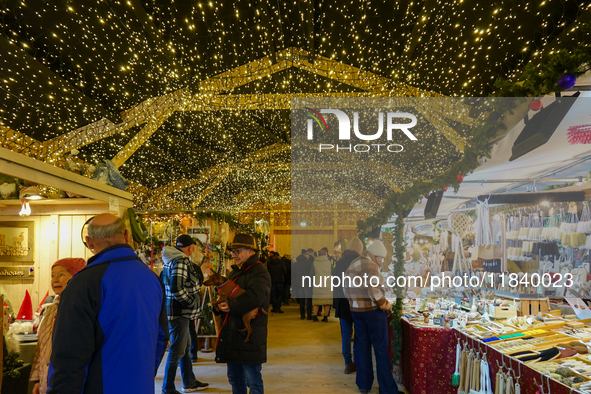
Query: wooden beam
[[23, 167], [211, 172], [201, 196], [139, 114], [144, 134], [18, 142]]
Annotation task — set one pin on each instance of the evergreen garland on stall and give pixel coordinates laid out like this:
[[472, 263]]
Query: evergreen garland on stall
[[396, 322], [537, 80]]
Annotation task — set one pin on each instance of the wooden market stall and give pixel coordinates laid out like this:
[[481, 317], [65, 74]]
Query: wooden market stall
[[53, 229]]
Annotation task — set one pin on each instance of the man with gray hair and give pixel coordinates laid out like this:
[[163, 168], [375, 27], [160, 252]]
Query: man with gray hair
[[111, 326]]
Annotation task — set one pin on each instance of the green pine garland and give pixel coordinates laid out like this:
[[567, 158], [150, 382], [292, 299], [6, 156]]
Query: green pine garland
[[537, 80], [12, 364], [396, 322]]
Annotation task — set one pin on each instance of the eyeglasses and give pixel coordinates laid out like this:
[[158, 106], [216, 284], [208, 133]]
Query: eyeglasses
[[84, 231], [236, 251]]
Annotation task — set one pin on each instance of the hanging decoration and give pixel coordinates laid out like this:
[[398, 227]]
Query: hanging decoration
[[566, 81], [536, 105], [460, 178], [580, 134], [537, 80]]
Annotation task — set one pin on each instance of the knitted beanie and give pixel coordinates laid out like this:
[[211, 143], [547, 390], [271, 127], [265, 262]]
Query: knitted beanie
[[377, 248], [355, 245], [71, 264]]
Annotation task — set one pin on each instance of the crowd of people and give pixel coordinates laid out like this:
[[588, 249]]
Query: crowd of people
[[107, 328]]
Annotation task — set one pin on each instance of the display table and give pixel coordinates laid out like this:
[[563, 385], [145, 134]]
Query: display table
[[429, 358]]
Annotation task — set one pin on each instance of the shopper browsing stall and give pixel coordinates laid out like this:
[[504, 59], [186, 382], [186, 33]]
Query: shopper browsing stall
[[322, 294], [61, 272], [368, 309], [341, 304]]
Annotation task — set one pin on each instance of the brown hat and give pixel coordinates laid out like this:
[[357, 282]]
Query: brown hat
[[71, 264], [243, 241]]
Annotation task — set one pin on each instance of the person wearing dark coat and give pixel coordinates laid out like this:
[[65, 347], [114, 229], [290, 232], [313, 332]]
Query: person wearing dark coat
[[277, 270], [287, 280], [303, 267], [244, 359], [341, 304]]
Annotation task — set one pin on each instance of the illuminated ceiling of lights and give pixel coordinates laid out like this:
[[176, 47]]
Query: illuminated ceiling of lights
[[191, 99]]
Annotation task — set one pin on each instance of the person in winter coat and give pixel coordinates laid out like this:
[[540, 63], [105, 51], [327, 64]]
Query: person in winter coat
[[301, 291], [322, 295], [369, 309], [110, 329], [287, 279], [341, 304], [182, 281], [61, 273], [244, 359], [277, 270]]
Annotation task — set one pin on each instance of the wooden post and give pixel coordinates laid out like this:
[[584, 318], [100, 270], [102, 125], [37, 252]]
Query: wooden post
[[504, 245], [335, 227], [2, 343]]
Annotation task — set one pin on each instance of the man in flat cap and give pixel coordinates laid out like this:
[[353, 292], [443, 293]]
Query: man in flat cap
[[245, 359], [182, 281]]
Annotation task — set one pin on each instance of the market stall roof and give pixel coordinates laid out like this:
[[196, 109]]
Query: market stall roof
[[191, 100], [34, 171], [555, 163]]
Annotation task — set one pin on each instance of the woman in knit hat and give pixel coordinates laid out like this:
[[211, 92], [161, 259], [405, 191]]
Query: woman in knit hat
[[61, 272]]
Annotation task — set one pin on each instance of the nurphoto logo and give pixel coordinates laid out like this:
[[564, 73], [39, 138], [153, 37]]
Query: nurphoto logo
[[393, 122]]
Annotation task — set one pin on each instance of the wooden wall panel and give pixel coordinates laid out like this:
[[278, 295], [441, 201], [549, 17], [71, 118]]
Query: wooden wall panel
[[56, 237], [65, 236], [78, 248], [49, 249], [312, 240], [283, 244]]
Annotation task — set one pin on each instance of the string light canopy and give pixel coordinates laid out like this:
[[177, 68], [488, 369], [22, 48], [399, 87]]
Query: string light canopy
[[191, 99]]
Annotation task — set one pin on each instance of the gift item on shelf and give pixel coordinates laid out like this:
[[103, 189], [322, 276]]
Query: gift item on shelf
[[584, 225], [569, 224], [459, 223], [483, 227]]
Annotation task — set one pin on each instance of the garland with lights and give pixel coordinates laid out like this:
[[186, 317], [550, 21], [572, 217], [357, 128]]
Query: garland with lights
[[396, 321], [538, 80]]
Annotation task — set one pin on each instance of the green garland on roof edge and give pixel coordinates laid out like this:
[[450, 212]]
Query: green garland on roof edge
[[537, 80]]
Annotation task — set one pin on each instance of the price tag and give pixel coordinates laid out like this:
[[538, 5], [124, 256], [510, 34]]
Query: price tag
[[113, 204]]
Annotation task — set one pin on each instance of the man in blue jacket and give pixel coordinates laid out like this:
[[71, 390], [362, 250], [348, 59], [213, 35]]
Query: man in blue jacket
[[110, 328]]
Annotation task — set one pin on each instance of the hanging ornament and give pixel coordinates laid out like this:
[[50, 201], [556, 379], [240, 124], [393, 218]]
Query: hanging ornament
[[426, 196], [445, 188], [460, 178], [580, 134], [566, 81], [536, 105]]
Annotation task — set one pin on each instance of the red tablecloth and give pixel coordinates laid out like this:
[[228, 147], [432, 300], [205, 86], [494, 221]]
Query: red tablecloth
[[429, 357]]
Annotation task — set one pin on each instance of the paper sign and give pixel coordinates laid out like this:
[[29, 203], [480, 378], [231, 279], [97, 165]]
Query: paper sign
[[113, 204]]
